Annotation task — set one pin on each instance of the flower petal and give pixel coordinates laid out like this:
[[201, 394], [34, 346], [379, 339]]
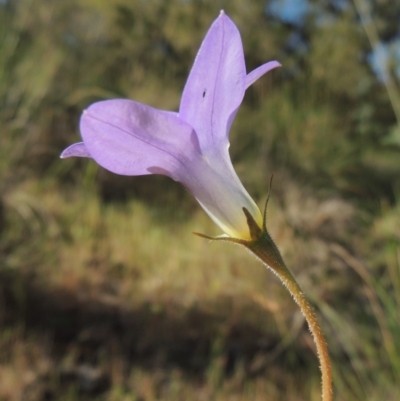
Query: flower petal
[[259, 71], [130, 138], [216, 84], [214, 183], [77, 149]]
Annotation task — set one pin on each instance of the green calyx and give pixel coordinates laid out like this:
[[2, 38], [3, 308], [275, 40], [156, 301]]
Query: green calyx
[[261, 243]]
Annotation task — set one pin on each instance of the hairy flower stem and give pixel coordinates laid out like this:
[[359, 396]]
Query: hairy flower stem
[[265, 250]]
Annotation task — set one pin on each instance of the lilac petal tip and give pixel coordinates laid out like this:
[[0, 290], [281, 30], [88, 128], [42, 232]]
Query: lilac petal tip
[[216, 84], [260, 71], [76, 150]]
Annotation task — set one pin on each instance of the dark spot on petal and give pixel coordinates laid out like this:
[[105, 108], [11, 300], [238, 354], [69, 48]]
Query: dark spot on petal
[[204, 93]]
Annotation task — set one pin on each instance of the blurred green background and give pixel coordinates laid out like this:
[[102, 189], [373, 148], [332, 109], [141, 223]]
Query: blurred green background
[[104, 292]]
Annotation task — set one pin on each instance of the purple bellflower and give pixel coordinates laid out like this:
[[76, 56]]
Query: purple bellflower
[[191, 146]]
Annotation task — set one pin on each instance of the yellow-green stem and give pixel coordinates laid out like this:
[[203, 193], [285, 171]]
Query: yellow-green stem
[[265, 250]]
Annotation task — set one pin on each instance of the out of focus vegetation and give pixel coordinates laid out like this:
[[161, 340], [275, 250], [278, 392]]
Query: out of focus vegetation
[[104, 292]]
